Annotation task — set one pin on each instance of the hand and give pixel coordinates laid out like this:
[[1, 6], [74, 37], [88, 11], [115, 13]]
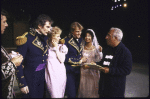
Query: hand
[[93, 63], [17, 60], [25, 90], [54, 43], [84, 59], [100, 48], [105, 70]]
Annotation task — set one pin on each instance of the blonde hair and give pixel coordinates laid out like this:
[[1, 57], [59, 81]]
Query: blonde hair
[[75, 25], [55, 30]]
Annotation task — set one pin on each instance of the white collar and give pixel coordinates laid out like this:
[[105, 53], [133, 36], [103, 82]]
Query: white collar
[[38, 32]]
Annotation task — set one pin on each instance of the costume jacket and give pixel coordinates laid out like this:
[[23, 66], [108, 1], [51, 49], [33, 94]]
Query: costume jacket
[[7, 74], [119, 62], [34, 52], [74, 53]]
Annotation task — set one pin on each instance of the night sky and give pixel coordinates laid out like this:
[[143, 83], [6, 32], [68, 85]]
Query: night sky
[[94, 14]]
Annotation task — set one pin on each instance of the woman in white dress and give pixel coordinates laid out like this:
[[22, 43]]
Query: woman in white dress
[[55, 72], [91, 54]]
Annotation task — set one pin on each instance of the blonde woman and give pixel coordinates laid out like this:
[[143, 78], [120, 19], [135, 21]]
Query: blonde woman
[[55, 73]]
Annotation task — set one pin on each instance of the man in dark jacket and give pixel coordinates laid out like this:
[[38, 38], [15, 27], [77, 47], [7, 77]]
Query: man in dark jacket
[[117, 63], [33, 47], [74, 44]]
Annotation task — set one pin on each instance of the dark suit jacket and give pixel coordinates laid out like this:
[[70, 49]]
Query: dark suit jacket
[[34, 52], [113, 83], [74, 54]]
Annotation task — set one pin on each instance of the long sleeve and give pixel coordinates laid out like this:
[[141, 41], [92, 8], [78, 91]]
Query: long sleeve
[[98, 56], [7, 69], [124, 66], [20, 75], [61, 53]]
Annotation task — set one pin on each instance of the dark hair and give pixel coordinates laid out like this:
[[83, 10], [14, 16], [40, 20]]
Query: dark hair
[[41, 19], [4, 13], [88, 31]]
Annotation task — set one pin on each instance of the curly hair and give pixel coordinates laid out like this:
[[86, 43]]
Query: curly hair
[[55, 30], [41, 19]]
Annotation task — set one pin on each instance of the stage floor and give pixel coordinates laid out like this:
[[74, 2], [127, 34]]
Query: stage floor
[[137, 83]]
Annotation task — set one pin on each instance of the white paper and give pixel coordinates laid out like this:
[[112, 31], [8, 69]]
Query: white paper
[[106, 63], [109, 56]]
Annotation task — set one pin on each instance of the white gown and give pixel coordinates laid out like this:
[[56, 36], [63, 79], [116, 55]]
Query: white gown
[[89, 78], [55, 72]]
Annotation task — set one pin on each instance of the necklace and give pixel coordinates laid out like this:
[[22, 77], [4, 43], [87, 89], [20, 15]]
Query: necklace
[[88, 47]]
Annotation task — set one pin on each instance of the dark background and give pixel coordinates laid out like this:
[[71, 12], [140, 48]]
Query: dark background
[[94, 14]]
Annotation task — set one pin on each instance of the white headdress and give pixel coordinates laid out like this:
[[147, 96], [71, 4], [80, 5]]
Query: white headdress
[[95, 42]]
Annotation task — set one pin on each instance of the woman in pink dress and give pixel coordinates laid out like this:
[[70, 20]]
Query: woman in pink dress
[[89, 79], [55, 72]]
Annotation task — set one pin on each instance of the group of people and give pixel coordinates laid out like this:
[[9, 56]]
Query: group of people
[[48, 66]]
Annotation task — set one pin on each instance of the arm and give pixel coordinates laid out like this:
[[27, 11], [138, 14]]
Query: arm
[[61, 53], [9, 66], [20, 75], [7, 69], [125, 67]]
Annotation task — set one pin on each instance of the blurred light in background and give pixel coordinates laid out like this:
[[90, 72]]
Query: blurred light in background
[[125, 5]]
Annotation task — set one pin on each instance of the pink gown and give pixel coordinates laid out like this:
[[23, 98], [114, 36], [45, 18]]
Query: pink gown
[[55, 72]]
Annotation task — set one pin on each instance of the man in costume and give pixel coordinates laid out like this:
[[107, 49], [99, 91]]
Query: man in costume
[[33, 46], [74, 43], [117, 63], [9, 63]]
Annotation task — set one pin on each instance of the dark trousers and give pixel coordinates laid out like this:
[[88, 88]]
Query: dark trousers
[[73, 80]]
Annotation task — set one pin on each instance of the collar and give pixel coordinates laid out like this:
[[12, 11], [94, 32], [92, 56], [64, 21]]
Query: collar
[[38, 32]]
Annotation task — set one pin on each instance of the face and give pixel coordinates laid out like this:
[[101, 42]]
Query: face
[[77, 33], [56, 38], [44, 30], [110, 39], [88, 37], [3, 23]]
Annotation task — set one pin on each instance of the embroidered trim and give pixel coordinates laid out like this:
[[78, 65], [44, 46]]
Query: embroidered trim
[[38, 43], [70, 61], [20, 85], [32, 31], [46, 47], [72, 42], [5, 53], [81, 46]]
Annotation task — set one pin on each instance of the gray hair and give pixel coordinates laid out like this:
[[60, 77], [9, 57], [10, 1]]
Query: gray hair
[[117, 33]]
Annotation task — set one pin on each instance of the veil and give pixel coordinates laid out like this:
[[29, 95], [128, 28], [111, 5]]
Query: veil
[[95, 43]]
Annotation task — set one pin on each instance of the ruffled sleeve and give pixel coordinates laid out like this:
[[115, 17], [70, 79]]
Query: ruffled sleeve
[[98, 56], [63, 49]]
